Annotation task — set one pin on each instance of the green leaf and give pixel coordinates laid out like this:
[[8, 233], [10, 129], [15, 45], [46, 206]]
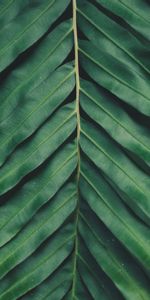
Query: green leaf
[[115, 76], [27, 27], [44, 142], [32, 71], [134, 13], [110, 159], [108, 114], [74, 150]]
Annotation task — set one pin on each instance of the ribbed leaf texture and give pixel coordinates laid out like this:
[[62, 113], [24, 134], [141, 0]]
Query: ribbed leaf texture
[[74, 150]]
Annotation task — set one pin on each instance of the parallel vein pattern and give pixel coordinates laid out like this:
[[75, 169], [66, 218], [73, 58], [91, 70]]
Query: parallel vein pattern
[[114, 246], [38, 151], [74, 150]]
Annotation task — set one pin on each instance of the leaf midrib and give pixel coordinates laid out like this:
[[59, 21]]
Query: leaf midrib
[[74, 7], [77, 152]]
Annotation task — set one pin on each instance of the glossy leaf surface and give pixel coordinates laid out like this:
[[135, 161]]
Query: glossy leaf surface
[[74, 150]]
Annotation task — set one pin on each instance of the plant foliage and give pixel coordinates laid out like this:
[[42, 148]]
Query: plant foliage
[[74, 150]]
